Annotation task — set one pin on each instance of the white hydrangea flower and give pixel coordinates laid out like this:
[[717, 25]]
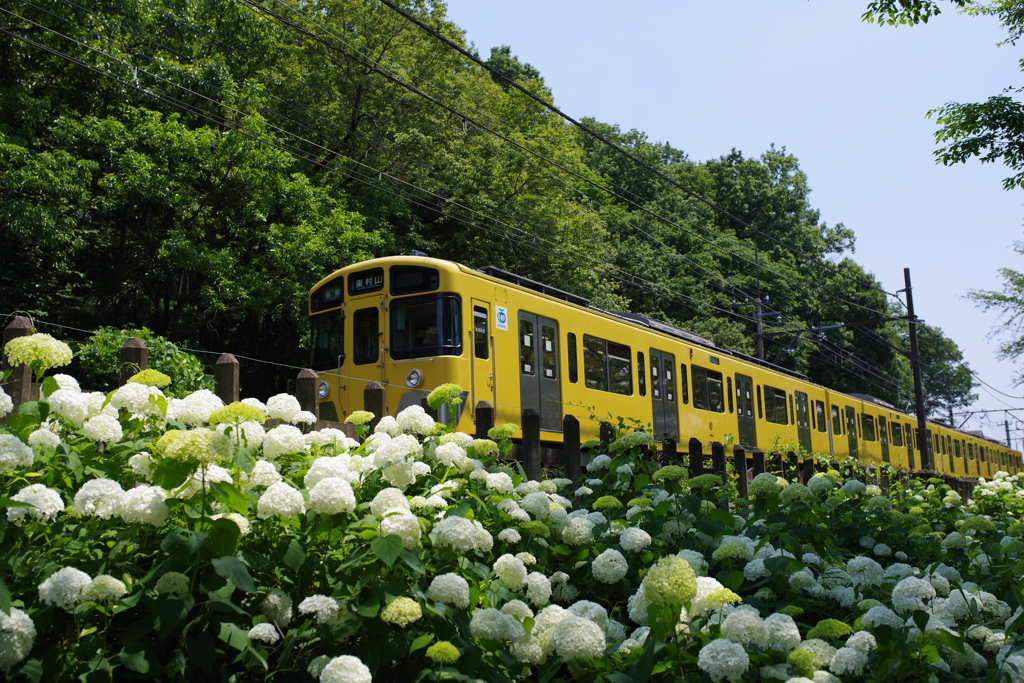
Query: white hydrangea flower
[[403, 524], [17, 635], [6, 403], [863, 641], [451, 589], [64, 588], [345, 669], [389, 499], [283, 407], [492, 624], [388, 425], [195, 409], [283, 439], [257, 404], [249, 433], [144, 504], [99, 498], [280, 500], [696, 560], [597, 464], [511, 536], [722, 658], [172, 583], [40, 437], [277, 607], [576, 637], [499, 482], [334, 438], [745, 627], [104, 588], [634, 538], [610, 566], [783, 633], [881, 616], [415, 419], [70, 405], [264, 633], [134, 398], [538, 588], [14, 454], [303, 417], [511, 571], [325, 610], [461, 535], [332, 495], [579, 531], [864, 571], [264, 473], [910, 594], [46, 504]]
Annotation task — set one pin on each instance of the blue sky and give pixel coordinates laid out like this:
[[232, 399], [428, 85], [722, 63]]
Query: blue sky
[[847, 98]]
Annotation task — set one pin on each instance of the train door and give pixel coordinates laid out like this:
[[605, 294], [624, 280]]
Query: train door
[[663, 394], [483, 361], [851, 431], [745, 411], [539, 381], [883, 435], [803, 421], [909, 433]]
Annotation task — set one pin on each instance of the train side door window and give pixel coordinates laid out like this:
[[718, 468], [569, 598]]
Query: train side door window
[[570, 348], [366, 336], [868, 423], [481, 348], [728, 392], [956, 448], [819, 416], [837, 422], [547, 352], [792, 411], [775, 405], [670, 382], [897, 434], [641, 375], [527, 352], [684, 380]]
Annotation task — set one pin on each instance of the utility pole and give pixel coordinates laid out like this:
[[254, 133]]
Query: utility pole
[[1006, 424], [915, 364], [760, 328]]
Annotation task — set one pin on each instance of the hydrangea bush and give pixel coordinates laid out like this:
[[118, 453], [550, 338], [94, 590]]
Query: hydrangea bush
[[148, 537]]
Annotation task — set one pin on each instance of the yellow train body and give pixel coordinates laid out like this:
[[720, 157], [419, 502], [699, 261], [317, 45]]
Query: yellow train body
[[413, 323]]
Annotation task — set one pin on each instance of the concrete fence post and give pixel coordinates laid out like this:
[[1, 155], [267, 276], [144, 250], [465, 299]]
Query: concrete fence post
[[695, 461], [134, 358], [531, 444], [571, 462], [305, 391], [225, 378], [374, 401], [484, 419], [19, 385]]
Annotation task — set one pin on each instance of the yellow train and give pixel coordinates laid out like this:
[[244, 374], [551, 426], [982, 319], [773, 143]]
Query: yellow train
[[412, 323]]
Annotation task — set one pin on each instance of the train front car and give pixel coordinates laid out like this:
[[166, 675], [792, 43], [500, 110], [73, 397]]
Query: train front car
[[403, 321]]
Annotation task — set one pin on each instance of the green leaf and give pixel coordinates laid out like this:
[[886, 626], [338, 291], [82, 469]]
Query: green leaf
[[224, 537], [245, 458], [181, 544], [230, 496], [234, 636], [409, 557], [663, 620], [295, 556], [387, 548], [8, 503], [35, 409], [421, 642], [49, 386], [777, 564], [5, 598], [170, 474], [22, 423], [646, 663], [134, 659], [640, 482], [232, 569], [370, 607]]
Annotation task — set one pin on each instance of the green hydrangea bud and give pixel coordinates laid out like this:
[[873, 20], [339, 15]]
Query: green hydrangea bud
[[151, 378], [670, 582]]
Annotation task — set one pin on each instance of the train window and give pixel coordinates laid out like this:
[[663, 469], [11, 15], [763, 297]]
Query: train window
[[837, 423], [328, 340], [775, 405], [426, 326], [570, 345], [897, 434], [819, 414], [366, 336], [760, 413], [412, 279], [707, 389], [728, 392], [527, 354], [956, 448], [641, 374], [480, 340], [970, 451], [792, 411], [670, 382], [684, 379], [868, 423], [607, 366], [547, 352]]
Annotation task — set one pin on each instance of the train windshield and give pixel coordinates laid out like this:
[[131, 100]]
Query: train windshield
[[425, 326], [328, 340]]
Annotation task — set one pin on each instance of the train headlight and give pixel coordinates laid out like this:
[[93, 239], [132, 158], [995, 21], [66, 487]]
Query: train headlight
[[323, 389], [413, 378]]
